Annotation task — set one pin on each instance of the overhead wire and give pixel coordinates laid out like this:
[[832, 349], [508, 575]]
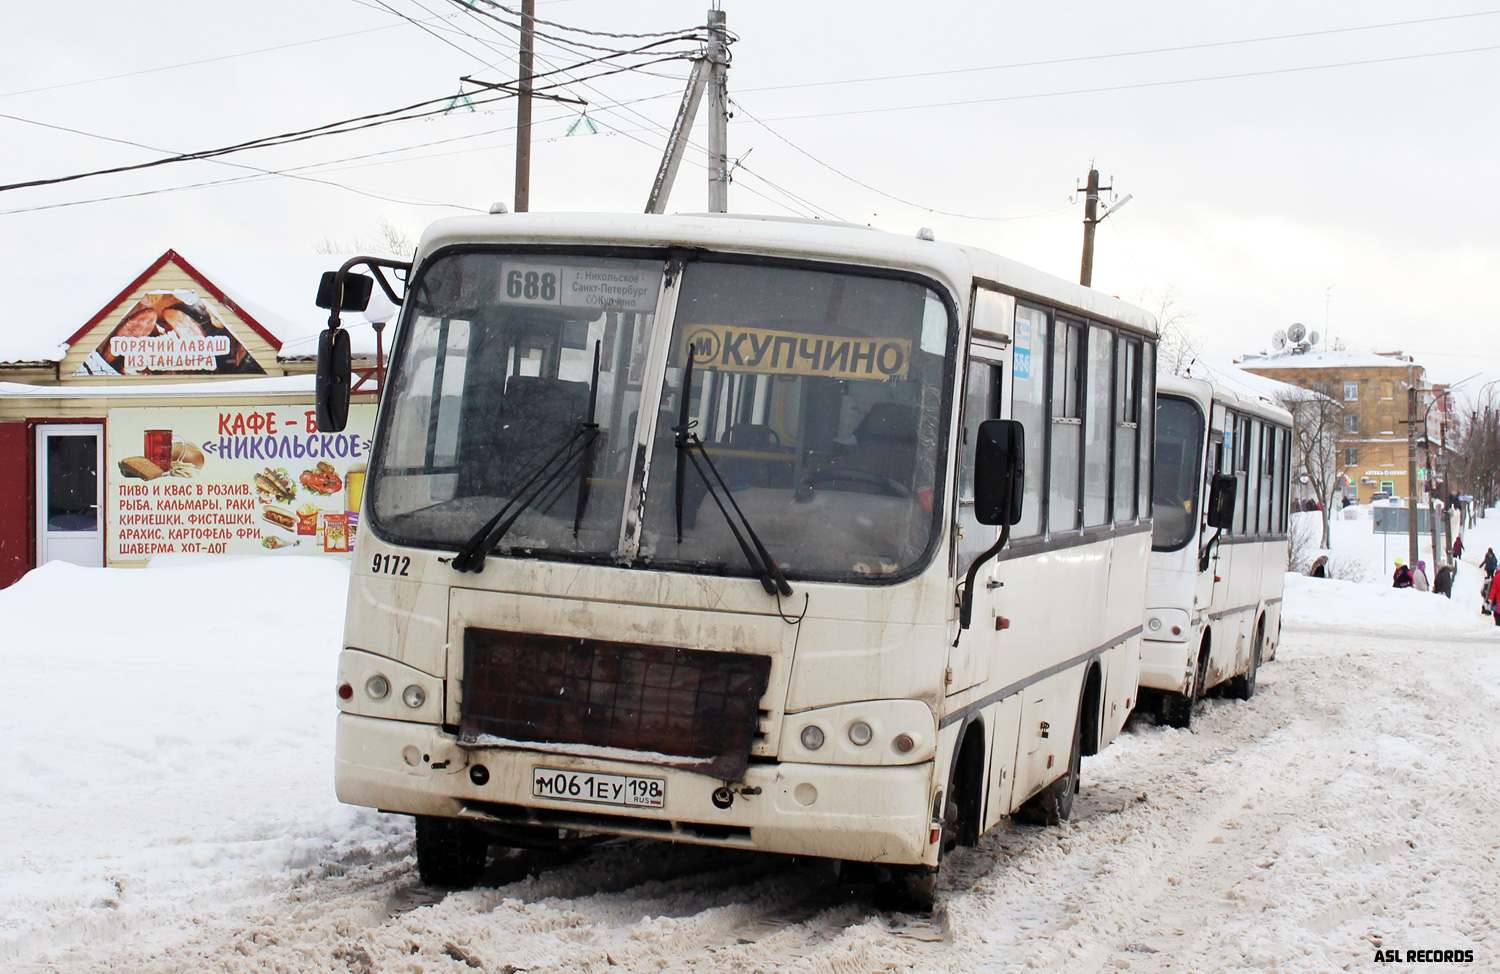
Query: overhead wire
[[880, 192], [1137, 85], [196, 63], [1119, 54]]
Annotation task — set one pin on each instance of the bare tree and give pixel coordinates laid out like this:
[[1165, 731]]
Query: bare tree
[[1178, 343], [1474, 450], [1317, 427], [389, 239]]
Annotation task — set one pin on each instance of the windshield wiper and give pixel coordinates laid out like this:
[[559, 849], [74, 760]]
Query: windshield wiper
[[472, 555], [586, 469], [760, 560]]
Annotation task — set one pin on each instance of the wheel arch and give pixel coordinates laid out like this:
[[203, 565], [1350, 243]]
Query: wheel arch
[[966, 776], [1091, 709]]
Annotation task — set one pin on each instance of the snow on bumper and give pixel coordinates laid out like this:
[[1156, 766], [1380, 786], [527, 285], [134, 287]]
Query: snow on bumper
[[865, 814]]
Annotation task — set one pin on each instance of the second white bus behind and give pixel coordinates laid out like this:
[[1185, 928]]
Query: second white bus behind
[[1214, 592]]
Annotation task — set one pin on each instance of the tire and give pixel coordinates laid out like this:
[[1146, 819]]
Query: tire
[[1053, 805], [1243, 687], [451, 853], [1177, 708]]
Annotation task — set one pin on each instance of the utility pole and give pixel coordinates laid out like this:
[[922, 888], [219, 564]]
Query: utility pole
[[523, 108], [718, 114], [1431, 482], [1411, 471], [1090, 222]]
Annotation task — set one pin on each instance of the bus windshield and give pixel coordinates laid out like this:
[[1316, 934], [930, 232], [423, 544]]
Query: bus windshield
[[1179, 446], [817, 396]]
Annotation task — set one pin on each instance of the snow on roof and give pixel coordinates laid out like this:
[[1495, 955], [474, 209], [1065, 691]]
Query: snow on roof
[[1347, 358], [48, 298], [286, 385], [1247, 383]]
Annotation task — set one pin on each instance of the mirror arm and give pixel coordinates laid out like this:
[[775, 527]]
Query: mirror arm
[[1203, 556], [966, 601], [374, 264]]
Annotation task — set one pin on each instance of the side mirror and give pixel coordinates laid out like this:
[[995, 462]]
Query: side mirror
[[999, 471], [333, 380], [354, 296], [1221, 501]]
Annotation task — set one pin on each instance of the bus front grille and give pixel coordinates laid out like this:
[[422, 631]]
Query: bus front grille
[[685, 708]]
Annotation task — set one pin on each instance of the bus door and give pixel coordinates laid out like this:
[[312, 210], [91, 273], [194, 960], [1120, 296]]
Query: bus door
[[969, 660], [1214, 460]]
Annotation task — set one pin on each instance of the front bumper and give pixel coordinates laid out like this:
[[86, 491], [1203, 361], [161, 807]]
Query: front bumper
[[865, 814], [1167, 665]]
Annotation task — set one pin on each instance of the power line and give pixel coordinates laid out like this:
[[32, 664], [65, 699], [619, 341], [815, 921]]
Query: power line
[[190, 64], [1120, 54], [880, 192], [1144, 84], [332, 128]]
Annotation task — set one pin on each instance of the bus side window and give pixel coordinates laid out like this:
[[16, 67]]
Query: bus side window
[[1097, 426], [1241, 472], [1267, 464], [1127, 425], [1146, 409], [1029, 405], [1067, 425]]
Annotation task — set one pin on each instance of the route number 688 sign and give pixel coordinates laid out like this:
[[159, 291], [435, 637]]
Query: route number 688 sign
[[613, 287]]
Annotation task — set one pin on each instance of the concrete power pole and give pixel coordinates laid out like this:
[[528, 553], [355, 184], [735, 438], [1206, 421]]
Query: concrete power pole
[[523, 108], [718, 114], [1090, 222], [1411, 472]]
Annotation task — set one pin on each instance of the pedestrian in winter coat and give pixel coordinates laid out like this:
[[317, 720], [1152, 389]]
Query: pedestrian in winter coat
[[1489, 563], [1458, 547], [1494, 594], [1419, 577], [1442, 582], [1401, 577]]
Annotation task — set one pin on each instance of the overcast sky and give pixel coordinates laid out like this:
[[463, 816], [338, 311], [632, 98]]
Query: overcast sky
[[1327, 163]]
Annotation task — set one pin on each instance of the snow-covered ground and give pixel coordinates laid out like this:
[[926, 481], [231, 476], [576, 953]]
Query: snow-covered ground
[[167, 806]]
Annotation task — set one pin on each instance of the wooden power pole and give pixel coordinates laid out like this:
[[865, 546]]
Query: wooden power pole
[[523, 107], [1090, 222]]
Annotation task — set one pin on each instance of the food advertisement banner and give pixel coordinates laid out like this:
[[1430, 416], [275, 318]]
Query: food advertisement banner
[[234, 480], [170, 333]]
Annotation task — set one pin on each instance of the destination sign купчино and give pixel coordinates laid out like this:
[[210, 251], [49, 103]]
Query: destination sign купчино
[[730, 348]]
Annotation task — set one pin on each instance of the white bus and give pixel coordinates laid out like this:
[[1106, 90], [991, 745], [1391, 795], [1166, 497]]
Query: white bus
[[1213, 610], [673, 524]]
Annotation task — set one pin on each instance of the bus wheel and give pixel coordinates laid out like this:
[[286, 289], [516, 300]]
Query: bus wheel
[[1053, 805], [451, 853], [913, 890], [1243, 687], [1177, 708]]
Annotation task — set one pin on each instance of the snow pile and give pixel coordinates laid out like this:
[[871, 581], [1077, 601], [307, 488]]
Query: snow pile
[[1377, 606], [170, 746]]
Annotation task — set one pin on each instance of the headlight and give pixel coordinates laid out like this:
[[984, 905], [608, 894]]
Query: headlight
[[413, 696], [377, 687], [812, 737], [860, 733]]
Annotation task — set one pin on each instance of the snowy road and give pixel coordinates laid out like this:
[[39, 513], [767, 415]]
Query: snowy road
[[1349, 806]]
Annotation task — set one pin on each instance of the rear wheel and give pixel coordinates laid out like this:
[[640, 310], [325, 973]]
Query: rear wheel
[[1053, 805], [451, 853], [1243, 687], [1177, 708]]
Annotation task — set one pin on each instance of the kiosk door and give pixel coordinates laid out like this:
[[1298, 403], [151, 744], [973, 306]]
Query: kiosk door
[[70, 494]]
